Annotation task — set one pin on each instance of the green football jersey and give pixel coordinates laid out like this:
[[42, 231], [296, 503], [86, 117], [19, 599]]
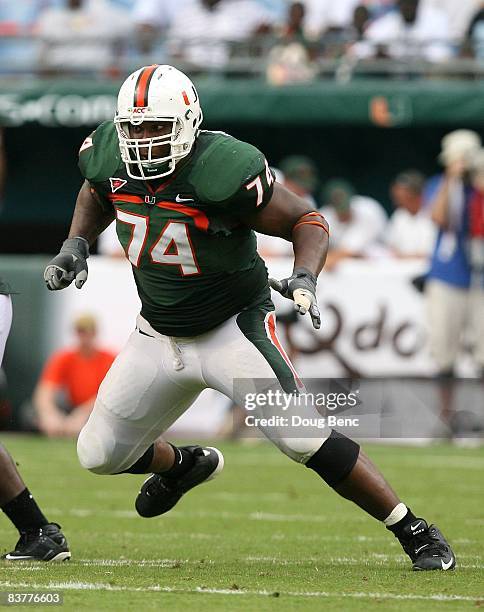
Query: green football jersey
[[194, 262]]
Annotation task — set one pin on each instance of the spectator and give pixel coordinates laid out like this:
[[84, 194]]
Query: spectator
[[410, 231], [356, 222], [412, 30], [459, 14], [82, 36], [475, 34], [451, 303], [300, 176], [17, 45], [476, 218], [153, 18], [323, 15], [200, 34], [293, 29], [65, 394], [361, 19], [289, 60]]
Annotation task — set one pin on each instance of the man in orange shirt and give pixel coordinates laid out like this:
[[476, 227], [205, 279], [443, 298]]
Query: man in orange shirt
[[65, 394]]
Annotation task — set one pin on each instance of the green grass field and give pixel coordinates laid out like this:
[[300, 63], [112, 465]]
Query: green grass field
[[266, 535]]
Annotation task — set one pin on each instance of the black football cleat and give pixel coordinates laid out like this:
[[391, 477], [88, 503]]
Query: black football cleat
[[159, 493], [427, 547], [45, 544]]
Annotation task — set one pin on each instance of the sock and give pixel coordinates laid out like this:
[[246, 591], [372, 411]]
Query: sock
[[183, 462], [141, 466], [24, 512], [398, 519]]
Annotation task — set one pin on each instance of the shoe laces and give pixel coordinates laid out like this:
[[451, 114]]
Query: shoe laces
[[157, 486], [29, 536], [428, 540]]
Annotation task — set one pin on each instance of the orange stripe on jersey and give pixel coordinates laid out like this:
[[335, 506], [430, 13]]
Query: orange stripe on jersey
[[142, 85], [199, 218], [271, 328], [124, 197]]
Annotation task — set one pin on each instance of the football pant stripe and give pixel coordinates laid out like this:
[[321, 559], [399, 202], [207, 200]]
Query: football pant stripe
[[252, 323], [270, 325]]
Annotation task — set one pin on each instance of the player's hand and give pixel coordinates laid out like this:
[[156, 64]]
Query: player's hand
[[301, 288], [69, 264]]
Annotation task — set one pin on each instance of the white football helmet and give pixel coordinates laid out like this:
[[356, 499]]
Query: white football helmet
[[158, 93]]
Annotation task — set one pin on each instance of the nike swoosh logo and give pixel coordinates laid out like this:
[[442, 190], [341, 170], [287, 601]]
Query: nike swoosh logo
[[180, 199], [413, 527], [445, 566], [15, 557], [421, 548]]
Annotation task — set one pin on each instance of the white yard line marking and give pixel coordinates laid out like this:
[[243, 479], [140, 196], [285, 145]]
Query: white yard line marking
[[371, 559], [98, 586]]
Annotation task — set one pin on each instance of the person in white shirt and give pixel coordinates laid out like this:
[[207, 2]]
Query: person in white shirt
[[357, 223], [413, 30], [324, 14], [459, 14], [410, 231], [201, 32], [152, 18], [82, 36]]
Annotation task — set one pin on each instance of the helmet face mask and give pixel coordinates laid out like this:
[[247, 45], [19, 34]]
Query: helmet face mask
[[169, 99], [141, 156]]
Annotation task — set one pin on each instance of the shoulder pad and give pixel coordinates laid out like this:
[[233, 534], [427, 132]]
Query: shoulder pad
[[224, 166], [99, 156]]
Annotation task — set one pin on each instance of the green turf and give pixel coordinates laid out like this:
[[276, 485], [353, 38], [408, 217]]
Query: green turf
[[267, 531]]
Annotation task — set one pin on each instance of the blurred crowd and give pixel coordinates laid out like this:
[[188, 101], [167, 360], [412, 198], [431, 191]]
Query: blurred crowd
[[290, 39]]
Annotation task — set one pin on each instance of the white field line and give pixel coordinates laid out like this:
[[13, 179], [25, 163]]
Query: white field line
[[98, 586], [371, 559]]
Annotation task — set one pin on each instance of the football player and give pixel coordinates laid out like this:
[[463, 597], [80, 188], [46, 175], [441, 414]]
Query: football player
[[186, 203], [39, 540]]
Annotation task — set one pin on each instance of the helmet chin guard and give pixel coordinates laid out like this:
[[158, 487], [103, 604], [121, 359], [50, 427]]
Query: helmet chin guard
[[160, 94]]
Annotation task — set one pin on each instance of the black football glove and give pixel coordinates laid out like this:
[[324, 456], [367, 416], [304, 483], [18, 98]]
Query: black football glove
[[68, 265], [300, 287]]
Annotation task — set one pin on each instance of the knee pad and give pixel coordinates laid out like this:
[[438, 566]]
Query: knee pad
[[335, 459], [299, 449], [95, 453]]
